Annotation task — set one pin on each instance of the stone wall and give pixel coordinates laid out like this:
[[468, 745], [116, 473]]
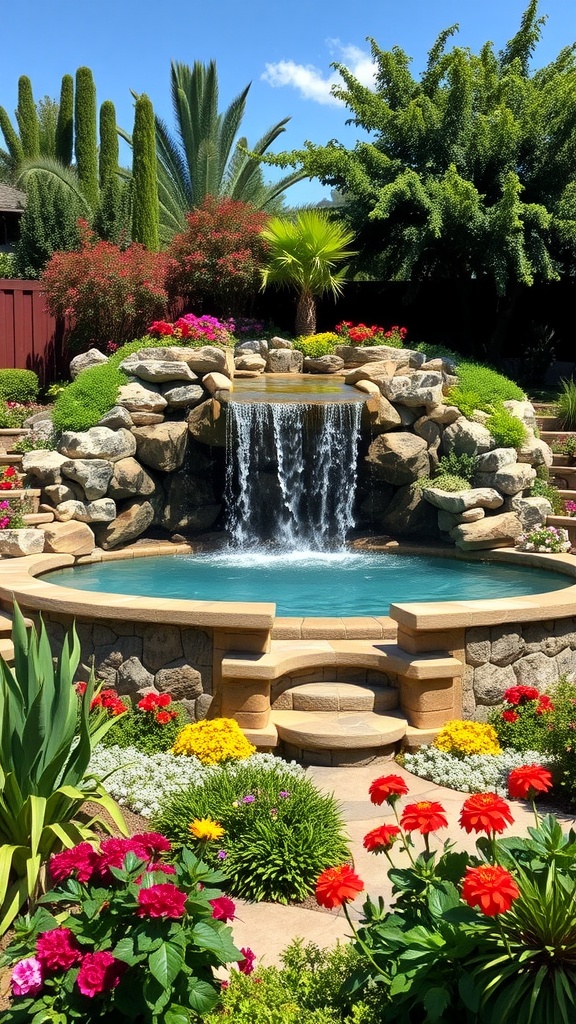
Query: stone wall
[[531, 654]]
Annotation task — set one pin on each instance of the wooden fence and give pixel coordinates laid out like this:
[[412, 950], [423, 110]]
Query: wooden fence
[[29, 337]]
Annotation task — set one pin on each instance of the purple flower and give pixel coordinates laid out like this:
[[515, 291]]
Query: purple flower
[[284, 794], [221, 855], [248, 799]]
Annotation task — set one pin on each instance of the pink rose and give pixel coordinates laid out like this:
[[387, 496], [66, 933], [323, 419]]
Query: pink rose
[[99, 972], [27, 977], [57, 949]]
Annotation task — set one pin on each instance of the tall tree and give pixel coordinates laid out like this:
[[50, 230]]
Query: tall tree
[[112, 217], [49, 224], [27, 117], [64, 142], [469, 172], [85, 142], [145, 211]]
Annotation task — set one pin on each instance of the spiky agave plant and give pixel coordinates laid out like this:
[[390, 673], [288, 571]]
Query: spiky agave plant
[[43, 780]]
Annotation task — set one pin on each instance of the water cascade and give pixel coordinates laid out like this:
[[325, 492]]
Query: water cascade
[[291, 473]]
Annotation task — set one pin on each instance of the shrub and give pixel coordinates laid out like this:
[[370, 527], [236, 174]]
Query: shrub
[[362, 334], [507, 430], [560, 740], [566, 405], [83, 403], [217, 260], [546, 539], [462, 738], [151, 725], [35, 442], [196, 330], [492, 387], [315, 345], [523, 719], [13, 415], [18, 386], [105, 293], [445, 482], [545, 489], [280, 832], [463, 465], [438, 352], [214, 741], [7, 267]]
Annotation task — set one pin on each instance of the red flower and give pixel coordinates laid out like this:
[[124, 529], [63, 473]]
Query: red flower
[[81, 689], [152, 842], [99, 973], [10, 471], [510, 716], [424, 816], [336, 886], [80, 862], [223, 908], [544, 705], [57, 949], [246, 966], [387, 788], [528, 780], [485, 812], [491, 888], [380, 839], [163, 717], [520, 694], [162, 900]]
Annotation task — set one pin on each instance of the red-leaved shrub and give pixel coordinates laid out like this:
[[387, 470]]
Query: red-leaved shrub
[[106, 294], [217, 260]]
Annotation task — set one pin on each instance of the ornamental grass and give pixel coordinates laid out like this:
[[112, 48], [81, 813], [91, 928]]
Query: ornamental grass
[[214, 741]]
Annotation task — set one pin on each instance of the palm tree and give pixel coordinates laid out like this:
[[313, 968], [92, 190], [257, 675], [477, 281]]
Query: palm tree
[[204, 156], [304, 254]]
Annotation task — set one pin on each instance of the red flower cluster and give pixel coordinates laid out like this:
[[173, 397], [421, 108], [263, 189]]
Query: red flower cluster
[[387, 788], [86, 864], [156, 704], [109, 701], [510, 716], [526, 782], [544, 705], [425, 816], [57, 950], [162, 900], [491, 888], [522, 696], [223, 908], [485, 812], [359, 334], [519, 695], [8, 478], [246, 965], [381, 839], [336, 886]]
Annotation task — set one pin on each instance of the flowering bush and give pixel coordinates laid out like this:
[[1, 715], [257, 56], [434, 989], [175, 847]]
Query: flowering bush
[[140, 943], [564, 445], [460, 738], [523, 719], [151, 724], [214, 741], [546, 539], [469, 773], [12, 513], [13, 415], [105, 293], [196, 330], [570, 508], [469, 936], [361, 334], [8, 478]]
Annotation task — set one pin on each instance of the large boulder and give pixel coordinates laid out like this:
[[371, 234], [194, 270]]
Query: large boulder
[[16, 543], [408, 515], [511, 479], [398, 458], [132, 521], [377, 372], [98, 443], [354, 355], [191, 503], [183, 397], [72, 538], [116, 417], [255, 346], [284, 360], [251, 361], [523, 411], [214, 382], [93, 357], [163, 446], [491, 532], [210, 359], [136, 397], [323, 364], [458, 501], [130, 478], [536, 452], [532, 512], [466, 438], [93, 475], [421, 388], [496, 459], [378, 414], [157, 370], [44, 466], [207, 424], [278, 342], [102, 510]]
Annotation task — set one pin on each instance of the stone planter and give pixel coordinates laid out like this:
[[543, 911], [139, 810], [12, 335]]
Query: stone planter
[[16, 543], [8, 438]]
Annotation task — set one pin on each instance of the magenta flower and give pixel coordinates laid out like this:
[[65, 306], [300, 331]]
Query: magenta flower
[[246, 966], [27, 977]]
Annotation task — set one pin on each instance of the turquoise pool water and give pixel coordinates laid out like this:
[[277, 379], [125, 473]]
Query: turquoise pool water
[[312, 583]]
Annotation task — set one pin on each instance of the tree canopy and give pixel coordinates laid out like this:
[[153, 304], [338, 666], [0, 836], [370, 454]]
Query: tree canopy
[[468, 172]]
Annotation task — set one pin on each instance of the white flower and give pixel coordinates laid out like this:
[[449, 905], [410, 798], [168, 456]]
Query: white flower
[[473, 773]]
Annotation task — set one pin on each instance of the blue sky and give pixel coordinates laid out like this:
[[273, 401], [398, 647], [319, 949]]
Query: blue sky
[[284, 49]]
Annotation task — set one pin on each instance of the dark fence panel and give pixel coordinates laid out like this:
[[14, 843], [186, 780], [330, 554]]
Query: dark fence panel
[[30, 338]]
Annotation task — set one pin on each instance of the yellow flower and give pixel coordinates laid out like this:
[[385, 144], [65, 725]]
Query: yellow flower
[[461, 738], [220, 739], [206, 828]]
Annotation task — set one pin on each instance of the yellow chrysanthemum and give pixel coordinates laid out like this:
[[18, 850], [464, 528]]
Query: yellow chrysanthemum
[[220, 739], [461, 738], [206, 828]]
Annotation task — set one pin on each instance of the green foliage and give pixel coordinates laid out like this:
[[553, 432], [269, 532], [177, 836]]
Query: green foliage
[[276, 846], [48, 224], [316, 345], [507, 430], [85, 144], [560, 740], [445, 482], [64, 141], [15, 154], [458, 465], [565, 446], [306, 254], [27, 117], [6, 264], [140, 729], [566, 405], [83, 403], [488, 384], [544, 489], [108, 153], [438, 352], [43, 782], [36, 442], [145, 210], [18, 385]]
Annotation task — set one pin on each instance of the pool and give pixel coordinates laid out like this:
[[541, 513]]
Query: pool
[[313, 583]]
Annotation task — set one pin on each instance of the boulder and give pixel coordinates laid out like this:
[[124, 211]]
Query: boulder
[[418, 389], [466, 438], [214, 382], [93, 475], [93, 357], [128, 479], [133, 677], [102, 510], [448, 520], [353, 355], [180, 680], [183, 397], [490, 681], [408, 515], [536, 452], [284, 360], [98, 443], [444, 414], [139, 398], [398, 458], [157, 370], [16, 543], [511, 479], [367, 386], [496, 459], [133, 520], [191, 503], [377, 372], [207, 424], [258, 347], [492, 532], [146, 419], [44, 466], [210, 359], [431, 432], [72, 538], [323, 364], [162, 447], [378, 414], [57, 493], [531, 512], [250, 361], [117, 417], [278, 342], [522, 411], [459, 501]]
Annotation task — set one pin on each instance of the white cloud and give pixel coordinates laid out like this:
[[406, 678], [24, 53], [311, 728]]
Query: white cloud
[[312, 83]]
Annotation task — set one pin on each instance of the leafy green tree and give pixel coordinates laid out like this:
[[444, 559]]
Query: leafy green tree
[[204, 154], [64, 140], [48, 225], [85, 144], [27, 117], [467, 173], [145, 212], [305, 254]]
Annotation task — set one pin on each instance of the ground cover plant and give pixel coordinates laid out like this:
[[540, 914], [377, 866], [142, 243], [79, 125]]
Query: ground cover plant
[[316, 345], [545, 489], [271, 831], [150, 724], [546, 539], [20, 386]]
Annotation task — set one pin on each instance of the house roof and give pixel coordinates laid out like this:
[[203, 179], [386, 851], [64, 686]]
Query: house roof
[[12, 200]]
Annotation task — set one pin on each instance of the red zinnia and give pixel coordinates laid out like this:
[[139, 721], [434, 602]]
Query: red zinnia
[[163, 717], [520, 694], [380, 839], [424, 816], [387, 788], [246, 966], [162, 900], [223, 908], [510, 716], [99, 973], [336, 886], [485, 812], [152, 842], [57, 949], [528, 780], [491, 888]]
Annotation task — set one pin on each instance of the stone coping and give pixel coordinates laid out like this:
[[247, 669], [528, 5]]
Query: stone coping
[[21, 580]]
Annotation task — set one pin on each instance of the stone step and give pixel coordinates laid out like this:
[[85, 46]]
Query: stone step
[[567, 495], [357, 627], [337, 696], [566, 473], [7, 459], [6, 649], [38, 518], [544, 422], [549, 436], [6, 623], [345, 737]]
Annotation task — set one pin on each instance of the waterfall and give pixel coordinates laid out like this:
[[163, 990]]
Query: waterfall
[[291, 473]]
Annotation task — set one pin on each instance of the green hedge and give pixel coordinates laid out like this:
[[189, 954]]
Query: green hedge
[[18, 385], [480, 387]]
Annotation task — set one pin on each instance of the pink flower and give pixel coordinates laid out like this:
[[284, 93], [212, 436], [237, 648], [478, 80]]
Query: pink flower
[[80, 861], [57, 949], [162, 900], [27, 977], [246, 966], [152, 842], [223, 908], [99, 972]]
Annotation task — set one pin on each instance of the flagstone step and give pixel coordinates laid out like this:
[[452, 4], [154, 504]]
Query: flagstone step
[[336, 738], [337, 696], [549, 436], [7, 459]]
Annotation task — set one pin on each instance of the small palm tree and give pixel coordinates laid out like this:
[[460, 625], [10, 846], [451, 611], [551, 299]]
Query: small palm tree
[[305, 254]]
